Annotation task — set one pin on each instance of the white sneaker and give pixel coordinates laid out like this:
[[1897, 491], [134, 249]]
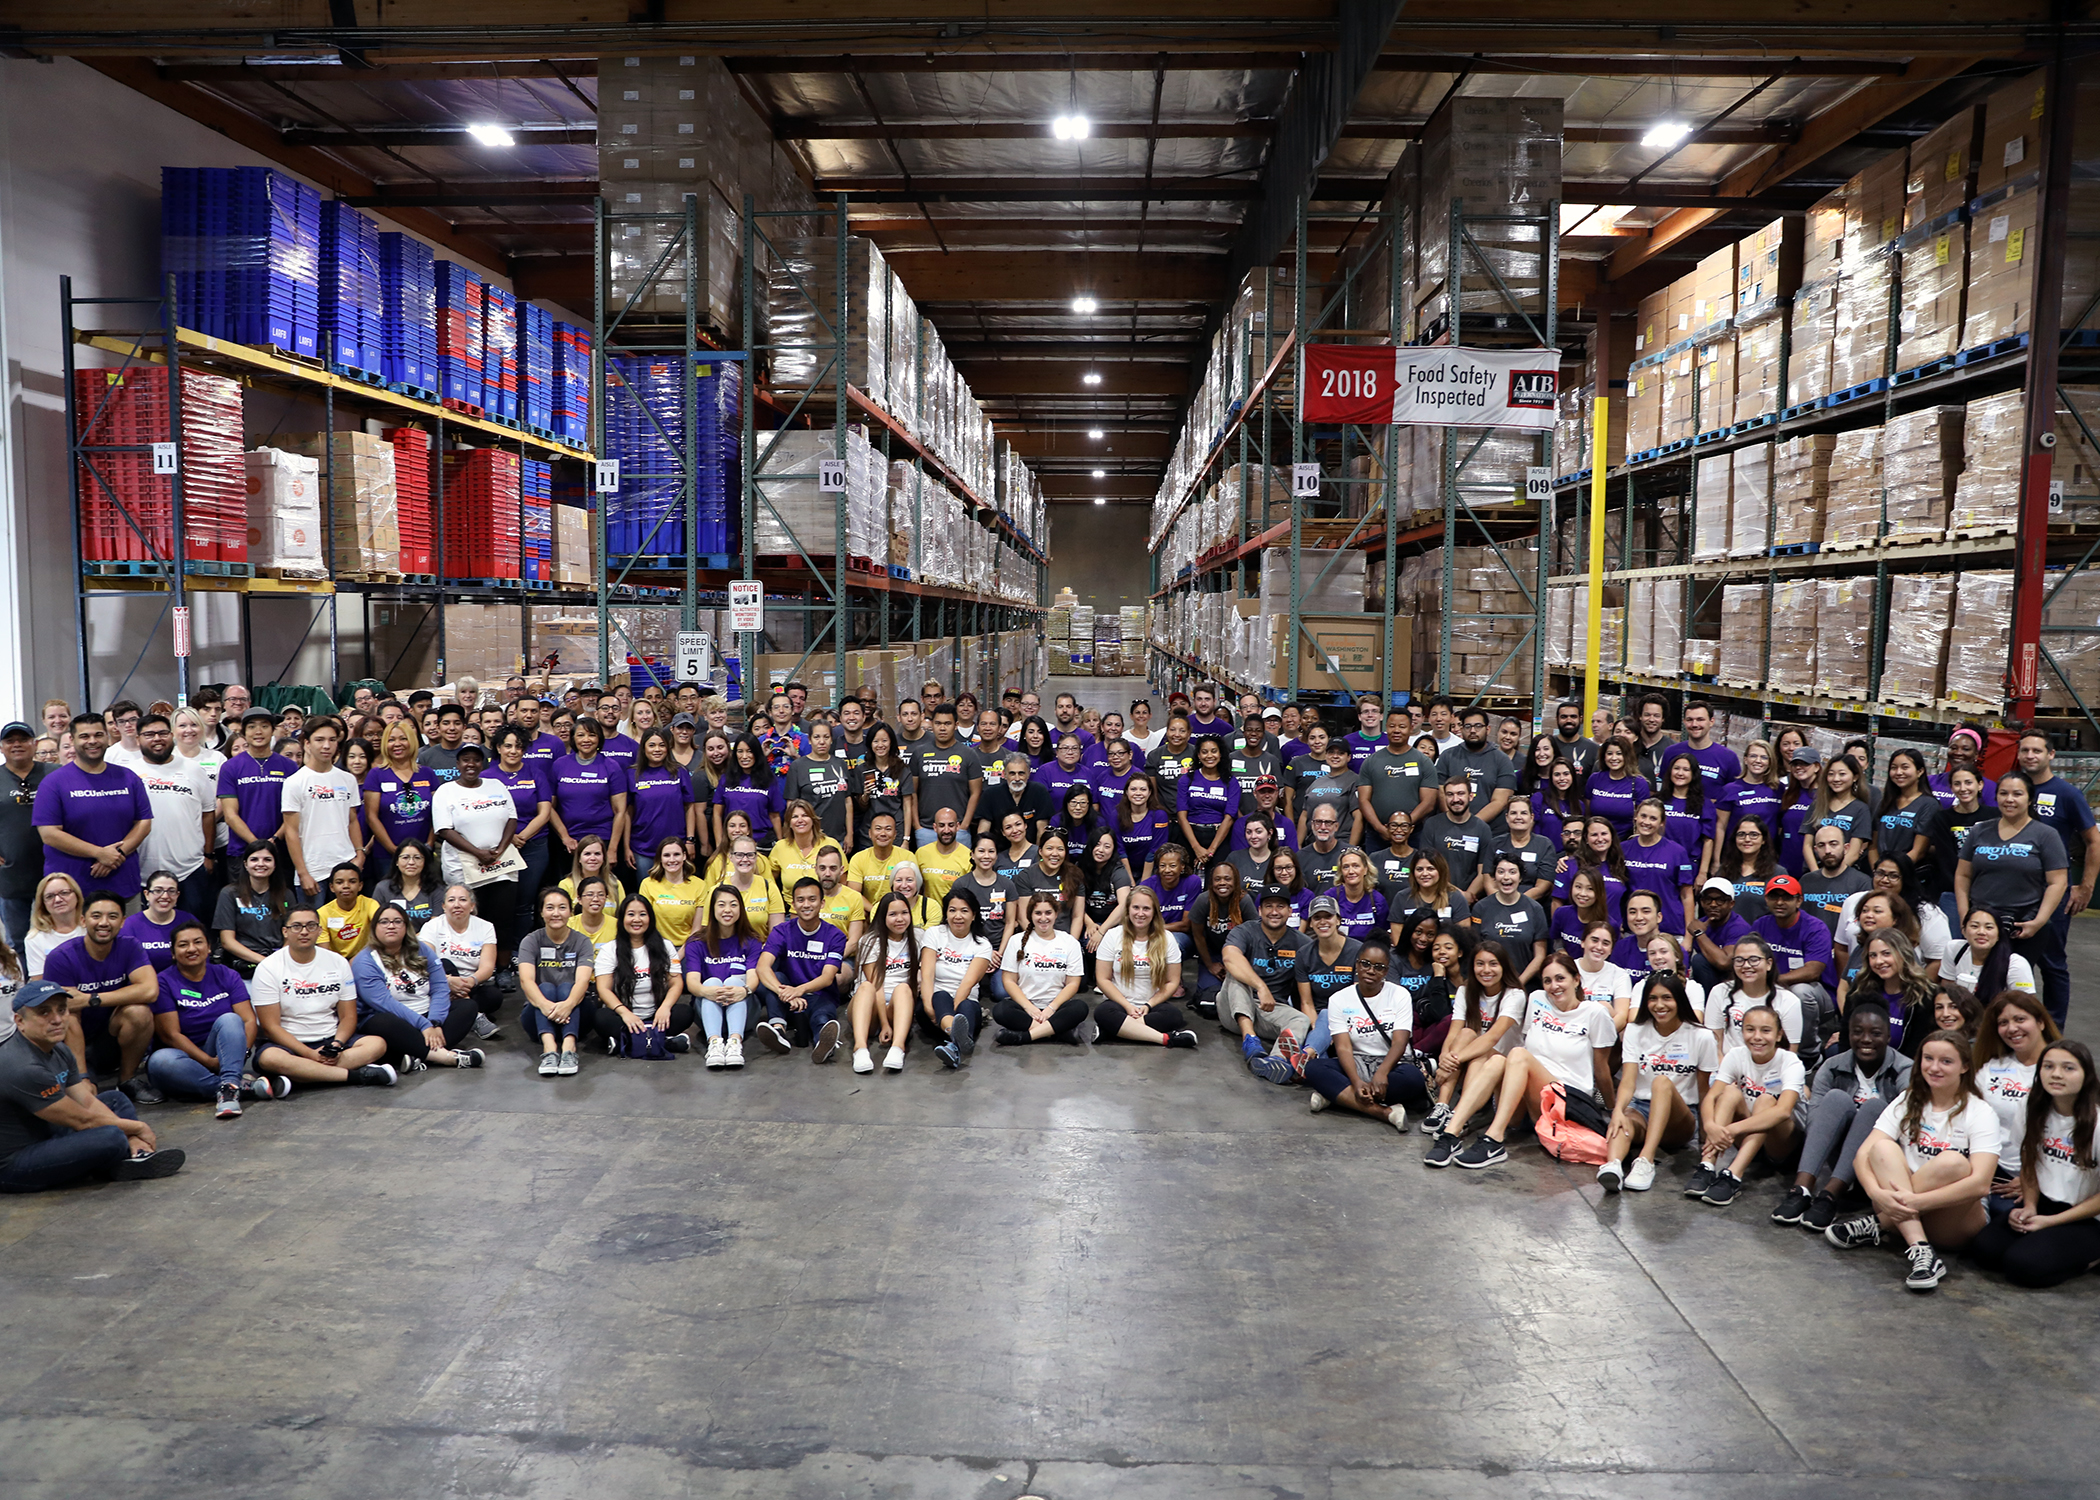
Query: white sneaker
[[1640, 1176], [733, 1052], [1612, 1175], [714, 1052], [894, 1062], [1397, 1118], [862, 1062], [1317, 1103]]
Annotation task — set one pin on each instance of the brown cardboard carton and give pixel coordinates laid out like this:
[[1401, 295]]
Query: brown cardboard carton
[[1935, 274], [1942, 169]]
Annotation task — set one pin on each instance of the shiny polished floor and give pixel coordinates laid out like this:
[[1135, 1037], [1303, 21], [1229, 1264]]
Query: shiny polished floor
[[1062, 1272]]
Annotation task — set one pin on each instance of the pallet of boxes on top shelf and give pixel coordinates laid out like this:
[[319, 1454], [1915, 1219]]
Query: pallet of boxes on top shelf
[[1498, 157], [362, 501], [1987, 495]]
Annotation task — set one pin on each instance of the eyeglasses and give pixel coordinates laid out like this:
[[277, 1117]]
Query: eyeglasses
[[1370, 966]]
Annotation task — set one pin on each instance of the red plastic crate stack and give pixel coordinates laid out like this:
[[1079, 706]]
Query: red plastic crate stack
[[412, 496], [130, 408], [481, 513]]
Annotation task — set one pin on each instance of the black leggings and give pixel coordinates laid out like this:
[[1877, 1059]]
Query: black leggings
[[1013, 1016], [403, 1037], [1110, 1017], [2046, 1257], [484, 999], [969, 1015]]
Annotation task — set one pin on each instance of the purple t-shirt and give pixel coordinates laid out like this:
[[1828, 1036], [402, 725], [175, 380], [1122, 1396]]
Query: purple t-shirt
[[1207, 801], [1057, 781], [1732, 927], [155, 941], [257, 790], [1615, 889], [528, 789], [1107, 785], [197, 1004], [1616, 800], [1362, 918], [1806, 942], [72, 966], [1717, 763], [1566, 930], [799, 957], [1665, 869], [404, 801], [1548, 821], [1144, 838], [1630, 954], [739, 956], [99, 809], [545, 751], [583, 793], [1175, 904], [761, 804], [1940, 785], [661, 796], [1362, 747], [620, 747], [1684, 827], [1095, 757], [1747, 799]]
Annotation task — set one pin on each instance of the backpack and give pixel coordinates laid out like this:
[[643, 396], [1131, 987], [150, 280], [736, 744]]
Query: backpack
[[646, 1045], [1560, 1137]]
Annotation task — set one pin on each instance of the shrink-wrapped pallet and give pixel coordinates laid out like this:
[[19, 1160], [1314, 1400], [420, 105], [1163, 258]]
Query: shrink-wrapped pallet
[[1758, 366], [2076, 606], [1702, 655], [1644, 409], [1935, 268], [1921, 458], [803, 325], [1640, 625], [1740, 658], [1859, 348], [1813, 332], [1612, 650], [1710, 516], [1792, 666], [1801, 490], [1987, 495], [1853, 513], [1717, 363], [1560, 625], [1914, 659], [1750, 505], [795, 511], [1680, 388], [1844, 628], [1667, 627], [284, 514], [1978, 640]]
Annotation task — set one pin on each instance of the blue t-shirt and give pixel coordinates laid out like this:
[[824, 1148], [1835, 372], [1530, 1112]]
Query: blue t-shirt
[[198, 1004], [2063, 807], [1616, 800], [799, 957], [1806, 942], [257, 790], [528, 789], [661, 796], [155, 941], [583, 793], [73, 967], [99, 809], [1207, 800], [739, 956]]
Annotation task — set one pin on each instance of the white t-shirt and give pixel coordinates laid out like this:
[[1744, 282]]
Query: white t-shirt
[[1962, 968], [1563, 1040], [644, 1002], [461, 949], [2058, 1174], [410, 984], [952, 957], [1610, 984], [181, 795], [477, 814], [305, 995], [1767, 1080], [2006, 1082], [1145, 742], [208, 761], [1725, 1009], [897, 963], [1042, 965], [1694, 991], [1971, 1128], [1138, 989], [120, 754], [1680, 1057], [1350, 1014], [1510, 1003], [1934, 939], [39, 946], [7, 1008], [324, 801]]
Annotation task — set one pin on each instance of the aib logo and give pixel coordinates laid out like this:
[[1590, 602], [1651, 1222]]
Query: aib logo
[[1533, 389]]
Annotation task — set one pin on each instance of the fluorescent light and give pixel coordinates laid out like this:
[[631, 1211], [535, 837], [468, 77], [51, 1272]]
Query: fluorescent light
[[1095, 433], [492, 135], [1085, 305], [1091, 377], [1071, 127], [1664, 134], [1101, 500], [1101, 473]]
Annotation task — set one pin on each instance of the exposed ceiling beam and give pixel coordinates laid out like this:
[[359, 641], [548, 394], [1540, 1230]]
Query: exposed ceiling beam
[[1116, 452], [1038, 275], [1684, 195], [551, 191], [1362, 130], [309, 73], [1660, 65], [1036, 379], [1102, 355], [435, 135], [1039, 190], [1829, 131], [1022, 62]]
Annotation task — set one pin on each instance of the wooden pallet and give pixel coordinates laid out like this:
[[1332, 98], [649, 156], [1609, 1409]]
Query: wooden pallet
[[380, 577], [295, 575]]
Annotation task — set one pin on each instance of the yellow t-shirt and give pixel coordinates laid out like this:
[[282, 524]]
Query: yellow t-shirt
[[791, 864], [942, 870], [602, 933], [345, 932], [615, 893], [843, 907], [763, 903], [871, 874], [677, 907]]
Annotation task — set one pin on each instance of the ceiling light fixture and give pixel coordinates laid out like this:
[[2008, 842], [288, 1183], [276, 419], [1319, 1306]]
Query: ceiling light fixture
[[1101, 500], [492, 135], [1664, 134], [1101, 473], [1085, 305], [1071, 127], [1095, 433], [1091, 377]]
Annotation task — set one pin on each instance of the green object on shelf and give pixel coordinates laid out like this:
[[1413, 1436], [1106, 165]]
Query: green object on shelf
[[309, 700]]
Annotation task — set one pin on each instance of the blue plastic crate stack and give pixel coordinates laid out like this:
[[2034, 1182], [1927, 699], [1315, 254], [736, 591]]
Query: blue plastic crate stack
[[570, 406], [535, 367], [407, 313], [536, 519], [460, 308], [644, 430], [244, 246], [721, 470], [351, 308], [499, 353]]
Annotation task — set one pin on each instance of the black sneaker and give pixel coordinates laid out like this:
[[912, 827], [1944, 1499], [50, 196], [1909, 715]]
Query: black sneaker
[[1821, 1214], [1008, 1037], [229, 1106], [1485, 1151], [1186, 1040], [1927, 1270], [1701, 1180], [962, 1038], [1722, 1193], [1441, 1150], [1792, 1206], [155, 1164], [140, 1090], [679, 1041], [376, 1075], [826, 1044], [470, 1057], [1437, 1121], [1855, 1233]]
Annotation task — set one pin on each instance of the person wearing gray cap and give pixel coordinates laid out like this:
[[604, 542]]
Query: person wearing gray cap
[[21, 850], [55, 1129]]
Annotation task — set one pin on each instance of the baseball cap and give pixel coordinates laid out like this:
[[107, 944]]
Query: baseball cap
[[1716, 883], [1324, 906], [1782, 885], [1261, 783], [36, 992], [16, 727], [259, 713], [1805, 755], [683, 721], [1272, 712], [1275, 893]]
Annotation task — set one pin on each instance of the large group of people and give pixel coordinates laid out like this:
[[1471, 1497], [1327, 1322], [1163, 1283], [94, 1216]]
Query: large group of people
[[1633, 943]]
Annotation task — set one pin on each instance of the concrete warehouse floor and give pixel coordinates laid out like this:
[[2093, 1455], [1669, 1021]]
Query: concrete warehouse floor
[[1066, 1273]]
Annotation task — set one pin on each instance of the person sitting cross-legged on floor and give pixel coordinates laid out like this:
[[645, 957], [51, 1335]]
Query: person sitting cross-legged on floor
[[402, 996], [55, 1129], [206, 1029], [305, 1001], [1371, 1023]]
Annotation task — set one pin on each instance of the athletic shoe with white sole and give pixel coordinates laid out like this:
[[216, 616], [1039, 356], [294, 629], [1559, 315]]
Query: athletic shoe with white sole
[[1441, 1150], [863, 1060], [827, 1043], [1485, 1151], [567, 1068], [1613, 1175], [714, 1052], [229, 1105], [1855, 1233], [1640, 1176], [1437, 1121], [893, 1060], [773, 1036], [470, 1057], [1927, 1270], [733, 1052], [1318, 1102], [550, 1064], [1701, 1180]]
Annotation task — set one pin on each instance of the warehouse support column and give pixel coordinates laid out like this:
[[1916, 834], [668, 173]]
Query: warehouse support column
[[1593, 633]]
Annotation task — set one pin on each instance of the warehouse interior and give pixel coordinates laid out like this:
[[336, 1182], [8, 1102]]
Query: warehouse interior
[[1820, 288]]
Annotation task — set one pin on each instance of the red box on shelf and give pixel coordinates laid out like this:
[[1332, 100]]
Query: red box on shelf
[[124, 504]]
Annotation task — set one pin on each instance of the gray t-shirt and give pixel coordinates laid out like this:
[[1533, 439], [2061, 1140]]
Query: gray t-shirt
[[439, 759], [554, 964], [30, 1079], [1316, 870], [257, 922], [1463, 845], [1825, 894], [824, 785], [1396, 781], [1487, 770], [1335, 789], [945, 777], [1515, 927]]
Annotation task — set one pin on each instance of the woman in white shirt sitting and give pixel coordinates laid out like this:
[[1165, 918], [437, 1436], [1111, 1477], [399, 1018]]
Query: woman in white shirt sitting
[[1668, 1058], [889, 961], [1135, 963], [2054, 1234], [1371, 1022], [1568, 1040], [1043, 969], [954, 962], [466, 946]]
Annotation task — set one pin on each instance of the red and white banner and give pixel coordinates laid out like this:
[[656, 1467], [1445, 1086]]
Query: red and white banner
[[1380, 384]]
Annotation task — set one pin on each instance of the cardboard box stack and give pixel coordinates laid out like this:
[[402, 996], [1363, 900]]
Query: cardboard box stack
[[1640, 625], [1680, 388], [1341, 591], [284, 514], [1495, 155], [1801, 489], [1714, 490], [1644, 409], [573, 539], [1667, 625], [1813, 333], [1750, 505], [1562, 606], [1978, 641], [1758, 392], [1844, 626], [1853, 513], [1934, 264], [1987, 495], [1921, 460], [1481, 585], [360, 498], [1792, 668], [1914, 660]]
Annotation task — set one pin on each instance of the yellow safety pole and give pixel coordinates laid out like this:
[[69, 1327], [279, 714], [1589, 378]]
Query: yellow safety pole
[[1599, 446]]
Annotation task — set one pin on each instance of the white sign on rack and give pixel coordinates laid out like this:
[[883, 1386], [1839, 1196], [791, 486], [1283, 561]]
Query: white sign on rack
[[747, 606], [164, 460], [694, 651], [1305, 481], [1538, 486], [608, 476], [831, 476], [181, 615]]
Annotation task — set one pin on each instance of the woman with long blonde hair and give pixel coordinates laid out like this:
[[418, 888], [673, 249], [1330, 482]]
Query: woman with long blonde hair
[[55, 913], [1136, 966]]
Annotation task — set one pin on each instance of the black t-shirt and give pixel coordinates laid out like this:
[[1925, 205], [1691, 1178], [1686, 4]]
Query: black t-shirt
[[19, 844], [944, 778], [824, 785], [256, 921], [998, 800], [1326, 978], [1316, 870], [1218, 926], [1101, 894], [1429, 990], [1947, 835]]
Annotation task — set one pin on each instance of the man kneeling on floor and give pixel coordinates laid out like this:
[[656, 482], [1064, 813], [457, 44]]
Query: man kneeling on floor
[[55, 1130], [798, 971]]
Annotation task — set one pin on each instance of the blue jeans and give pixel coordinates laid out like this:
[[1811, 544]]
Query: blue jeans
[[922, 837], [1320, 1038], [719, 1020], [69, 1156], [2054, 967], [14, 915], [538, 1025], [176, 1073]]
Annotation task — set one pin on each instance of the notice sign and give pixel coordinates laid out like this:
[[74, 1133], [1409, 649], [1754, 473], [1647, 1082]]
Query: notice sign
[[1380, 384], [747, 606]]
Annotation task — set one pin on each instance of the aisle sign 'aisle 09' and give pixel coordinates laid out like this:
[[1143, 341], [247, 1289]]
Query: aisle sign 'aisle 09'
[[1379, 384]]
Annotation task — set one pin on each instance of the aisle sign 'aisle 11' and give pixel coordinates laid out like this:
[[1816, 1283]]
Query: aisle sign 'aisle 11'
[[1381, 384]]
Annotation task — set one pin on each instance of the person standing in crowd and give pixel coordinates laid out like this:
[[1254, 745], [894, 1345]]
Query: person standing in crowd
[[251, 783], [318, 803], [1800, 947], [55, 1128], [441, 754], [1337, 787], [1395, 779], [93, 817], [21, 850], [948, 774], [822, 780], [1461, 838], [1964, 752], [2063, 807], [2016, 867], [475, 819], [397, 795], [185, 809], [1718, 765], [591, 792], [1491, 777]]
